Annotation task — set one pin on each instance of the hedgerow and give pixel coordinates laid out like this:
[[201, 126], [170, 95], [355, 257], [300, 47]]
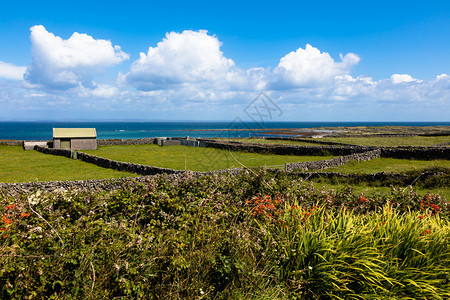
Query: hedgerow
[[252, 236]]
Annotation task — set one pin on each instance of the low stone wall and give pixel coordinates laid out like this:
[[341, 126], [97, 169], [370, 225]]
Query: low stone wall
[[114, 142], [287, 149], [334, 162], [11, 142], [419, 153], [59, 152], [312, 141], [124, 166], [397, 178]]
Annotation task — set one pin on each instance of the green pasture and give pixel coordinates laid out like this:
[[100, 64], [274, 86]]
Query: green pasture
[[390, 141], [195, 158], [18, 165]]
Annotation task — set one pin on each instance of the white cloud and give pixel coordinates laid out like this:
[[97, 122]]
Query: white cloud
[[400, 78], [10, 71], [190, 57], [309, 66], [61, 64]]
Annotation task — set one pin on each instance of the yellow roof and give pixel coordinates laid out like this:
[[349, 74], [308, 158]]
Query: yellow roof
[[74, 133]]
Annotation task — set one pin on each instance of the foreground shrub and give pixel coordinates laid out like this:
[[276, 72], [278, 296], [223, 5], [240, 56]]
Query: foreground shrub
[[221, 237]]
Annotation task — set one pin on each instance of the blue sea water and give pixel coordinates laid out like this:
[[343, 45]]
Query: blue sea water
[[134, 130]]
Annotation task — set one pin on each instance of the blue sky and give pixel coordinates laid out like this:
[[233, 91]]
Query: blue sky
[[205, 60]]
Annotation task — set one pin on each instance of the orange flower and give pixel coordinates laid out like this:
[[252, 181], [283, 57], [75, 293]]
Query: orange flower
[[421, 217], [10, 206], [6, 220], [24, 215]]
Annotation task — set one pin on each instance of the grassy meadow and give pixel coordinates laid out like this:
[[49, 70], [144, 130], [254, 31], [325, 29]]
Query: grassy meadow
[[18, 165], [195, 158]]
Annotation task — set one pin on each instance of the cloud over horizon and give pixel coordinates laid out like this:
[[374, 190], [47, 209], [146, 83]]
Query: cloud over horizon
[[187, 71]]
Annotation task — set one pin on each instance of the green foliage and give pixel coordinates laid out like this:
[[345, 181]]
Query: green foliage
[[252, 236]]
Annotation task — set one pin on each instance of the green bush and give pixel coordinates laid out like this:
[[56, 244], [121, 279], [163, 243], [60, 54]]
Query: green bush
[[252, 236]]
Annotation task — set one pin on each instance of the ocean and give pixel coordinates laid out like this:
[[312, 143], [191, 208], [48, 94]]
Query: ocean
[[135, 129]]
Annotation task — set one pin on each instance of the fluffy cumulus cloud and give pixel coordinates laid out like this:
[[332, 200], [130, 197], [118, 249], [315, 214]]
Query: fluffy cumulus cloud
[[399, 78], [10, 71], [61, 64], [190, 57], [188, 72], [309, 67]]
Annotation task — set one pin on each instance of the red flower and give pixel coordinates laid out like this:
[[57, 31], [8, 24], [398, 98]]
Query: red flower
[[421, 217], [6, 220], [10, 206]]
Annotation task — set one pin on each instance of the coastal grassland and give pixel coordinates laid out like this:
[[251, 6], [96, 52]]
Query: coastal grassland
[[389, 141], [263, 236], [389, 165], [196, 158], [18, 165]]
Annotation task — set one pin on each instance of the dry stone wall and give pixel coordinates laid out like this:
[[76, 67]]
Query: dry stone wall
[[288, 149], [334, 162], [114, 142]]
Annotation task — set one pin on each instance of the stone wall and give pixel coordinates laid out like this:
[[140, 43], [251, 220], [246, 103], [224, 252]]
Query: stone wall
[[59, 152], [334, 162], [114, 142], [398, 178], [419, 153], [12, 142], [311, 141], [299, 150], [124, 166]]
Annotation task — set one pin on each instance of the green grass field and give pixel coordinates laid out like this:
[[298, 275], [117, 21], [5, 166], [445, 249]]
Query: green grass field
[[390, 141], [389, 165], [197, 159], [18, 165]]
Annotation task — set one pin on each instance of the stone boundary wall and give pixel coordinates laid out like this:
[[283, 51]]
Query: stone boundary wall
[[124, 166], [312, 141], [419, 153], [122, 142], [398, 178], [114, 184], [59, 152], [334, 162], [299, 150], [13, 142]]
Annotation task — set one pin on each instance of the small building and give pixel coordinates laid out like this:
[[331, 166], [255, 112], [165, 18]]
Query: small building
[[75, 138]]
